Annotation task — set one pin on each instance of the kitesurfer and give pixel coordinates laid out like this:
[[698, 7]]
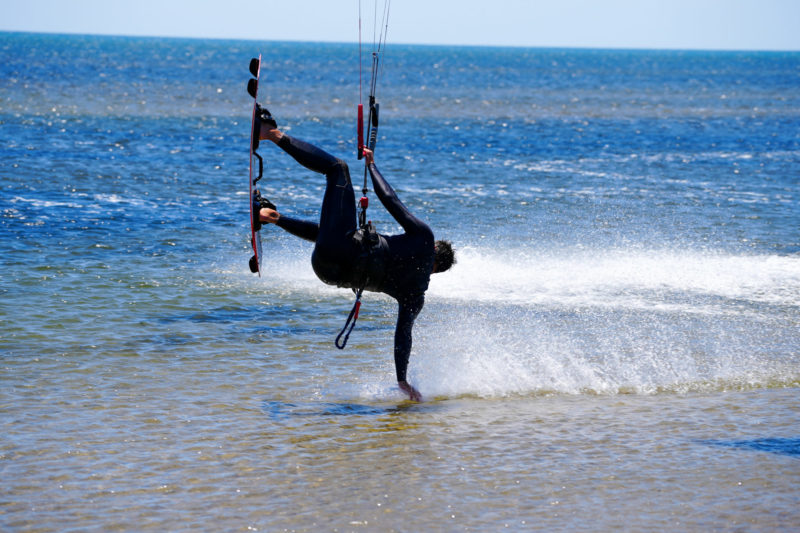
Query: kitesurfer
[[397, 265]]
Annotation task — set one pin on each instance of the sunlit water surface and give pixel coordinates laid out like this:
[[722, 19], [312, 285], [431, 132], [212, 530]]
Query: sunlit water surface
[[618, 347]]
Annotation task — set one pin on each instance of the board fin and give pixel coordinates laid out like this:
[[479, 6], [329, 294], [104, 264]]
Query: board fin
[[255, 64]]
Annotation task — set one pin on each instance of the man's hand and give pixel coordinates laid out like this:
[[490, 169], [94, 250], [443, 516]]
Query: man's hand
[[369, 156], [413, 393], [270, 216]]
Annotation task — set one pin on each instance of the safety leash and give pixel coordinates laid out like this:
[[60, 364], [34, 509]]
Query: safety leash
[[351, 321]]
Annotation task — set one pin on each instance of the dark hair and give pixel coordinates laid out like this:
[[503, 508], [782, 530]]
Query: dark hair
[[444, 256]]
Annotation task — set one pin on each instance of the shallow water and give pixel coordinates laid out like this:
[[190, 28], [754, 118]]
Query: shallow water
[[617, 347], [228, 453]]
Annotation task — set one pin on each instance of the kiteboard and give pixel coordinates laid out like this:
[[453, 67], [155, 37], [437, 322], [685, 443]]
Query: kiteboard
[[256, 168]]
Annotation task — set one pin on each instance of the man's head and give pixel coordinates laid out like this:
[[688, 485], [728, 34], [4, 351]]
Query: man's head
[[443, 256]]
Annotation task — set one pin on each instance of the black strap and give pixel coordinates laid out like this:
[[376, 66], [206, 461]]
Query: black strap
[[260, 167], [351, 322]]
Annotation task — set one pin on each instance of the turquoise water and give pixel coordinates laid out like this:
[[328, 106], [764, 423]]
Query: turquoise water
[[617, 347]]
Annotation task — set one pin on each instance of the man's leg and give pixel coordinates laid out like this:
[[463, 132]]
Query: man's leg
[[335, 251], [338, 213]]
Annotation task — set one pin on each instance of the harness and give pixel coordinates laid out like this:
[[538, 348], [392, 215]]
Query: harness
[[370, 266]]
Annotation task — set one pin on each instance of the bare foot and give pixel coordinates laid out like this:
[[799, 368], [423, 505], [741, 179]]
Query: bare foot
[[270, 216], [268, 134]]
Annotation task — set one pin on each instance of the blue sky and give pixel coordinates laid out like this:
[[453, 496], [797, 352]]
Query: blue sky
[[681, 24]]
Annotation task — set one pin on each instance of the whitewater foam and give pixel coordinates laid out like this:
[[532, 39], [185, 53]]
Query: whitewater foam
[[689, 281], [523, 321]]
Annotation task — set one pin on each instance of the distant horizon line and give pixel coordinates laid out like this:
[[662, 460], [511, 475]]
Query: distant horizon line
[[390, 43]]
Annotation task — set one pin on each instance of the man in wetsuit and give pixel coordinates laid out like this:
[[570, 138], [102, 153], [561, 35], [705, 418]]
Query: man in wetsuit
[[397, 265]]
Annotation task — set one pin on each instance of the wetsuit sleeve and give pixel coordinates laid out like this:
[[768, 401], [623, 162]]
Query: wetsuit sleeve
[[299, 228], [402, 335], [392, 203]]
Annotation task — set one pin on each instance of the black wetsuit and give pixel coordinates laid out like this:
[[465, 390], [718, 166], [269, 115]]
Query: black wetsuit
[[399, 265]]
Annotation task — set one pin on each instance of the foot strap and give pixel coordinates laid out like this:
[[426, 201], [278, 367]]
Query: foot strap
[[259, 203]]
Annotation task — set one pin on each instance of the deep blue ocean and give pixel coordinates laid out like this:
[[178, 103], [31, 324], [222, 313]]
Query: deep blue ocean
[[623, 319]]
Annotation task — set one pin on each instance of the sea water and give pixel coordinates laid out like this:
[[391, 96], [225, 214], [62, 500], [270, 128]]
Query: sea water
[[617, 348]]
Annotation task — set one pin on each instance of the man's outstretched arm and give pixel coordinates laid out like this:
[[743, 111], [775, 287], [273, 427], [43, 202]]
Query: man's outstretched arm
[[406, 316], [390, 200]]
